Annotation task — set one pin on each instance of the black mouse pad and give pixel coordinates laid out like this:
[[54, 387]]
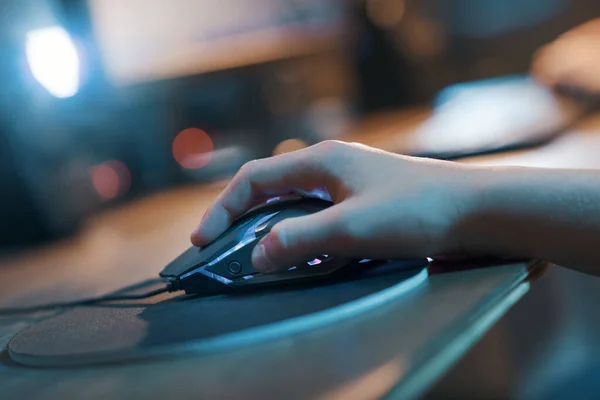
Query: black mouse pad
[[178, 325]]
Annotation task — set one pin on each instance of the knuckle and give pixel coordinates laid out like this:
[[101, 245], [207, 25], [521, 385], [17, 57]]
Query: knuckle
[[246, 174], [333, 153], [248, 168], [328, 147]]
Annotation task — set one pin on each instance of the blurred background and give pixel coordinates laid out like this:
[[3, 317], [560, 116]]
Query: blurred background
[[104, 101], [108, 101]]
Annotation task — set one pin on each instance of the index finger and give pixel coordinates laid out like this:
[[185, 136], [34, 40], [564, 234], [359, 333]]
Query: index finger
[[303, 170]]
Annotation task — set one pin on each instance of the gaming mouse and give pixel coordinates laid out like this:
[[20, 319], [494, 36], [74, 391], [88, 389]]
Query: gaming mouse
[[224, 264]]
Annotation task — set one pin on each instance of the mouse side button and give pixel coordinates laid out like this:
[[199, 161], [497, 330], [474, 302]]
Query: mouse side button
[[235, 265]]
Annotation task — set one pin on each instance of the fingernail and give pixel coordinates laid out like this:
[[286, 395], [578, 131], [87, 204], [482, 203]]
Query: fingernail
[[260, 260]]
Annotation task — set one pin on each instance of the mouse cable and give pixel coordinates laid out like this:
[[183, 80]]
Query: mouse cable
[[83, 302]]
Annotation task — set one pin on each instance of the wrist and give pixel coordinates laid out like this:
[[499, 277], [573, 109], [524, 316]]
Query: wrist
[[488, 222], [534, 213]]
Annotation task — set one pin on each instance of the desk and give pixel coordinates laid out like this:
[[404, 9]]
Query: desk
[[400, 349]]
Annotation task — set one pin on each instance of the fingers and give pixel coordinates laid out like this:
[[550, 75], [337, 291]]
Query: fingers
[[297, 240], [304, 170]]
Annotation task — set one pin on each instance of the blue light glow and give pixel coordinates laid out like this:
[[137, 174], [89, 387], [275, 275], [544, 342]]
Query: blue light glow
[[249, 237], [488, 18], [53, 60]]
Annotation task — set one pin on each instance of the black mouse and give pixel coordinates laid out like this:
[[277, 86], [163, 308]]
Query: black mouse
[[224, 264]]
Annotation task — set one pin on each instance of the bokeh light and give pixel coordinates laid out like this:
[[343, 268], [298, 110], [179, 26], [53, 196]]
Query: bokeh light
[[111, 179], [289, 145], [192, 148], [53, 60]]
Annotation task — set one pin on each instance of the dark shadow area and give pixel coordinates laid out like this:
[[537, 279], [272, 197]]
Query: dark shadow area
[[124, 329]]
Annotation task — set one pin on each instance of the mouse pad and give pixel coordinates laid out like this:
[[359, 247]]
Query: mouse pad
[[175, 324]]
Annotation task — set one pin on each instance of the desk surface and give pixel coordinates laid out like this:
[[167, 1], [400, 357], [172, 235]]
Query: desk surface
[[401, 347]]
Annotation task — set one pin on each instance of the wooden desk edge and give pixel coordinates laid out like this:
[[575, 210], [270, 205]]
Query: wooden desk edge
[[443, 354]]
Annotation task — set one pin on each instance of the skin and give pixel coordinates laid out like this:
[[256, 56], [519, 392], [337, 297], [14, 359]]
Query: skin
[[570, 63], [393, 206]]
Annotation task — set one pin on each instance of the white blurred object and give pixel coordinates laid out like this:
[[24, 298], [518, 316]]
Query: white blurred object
[[491, 113], [53, 60]]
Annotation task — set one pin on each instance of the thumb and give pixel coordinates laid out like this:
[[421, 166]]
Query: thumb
[[294, 240]]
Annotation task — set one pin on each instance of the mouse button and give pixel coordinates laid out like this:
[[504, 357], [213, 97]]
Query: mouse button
[[237, 267], [195, 256], [185, 261], [283, 199], [278, 201], [235, 227], [266, 226], [236, 263], [315, 205], [275, 204], [226, 240]]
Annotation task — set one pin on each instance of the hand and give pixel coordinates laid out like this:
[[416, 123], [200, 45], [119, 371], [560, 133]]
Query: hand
[[570, 63], [386, 206]]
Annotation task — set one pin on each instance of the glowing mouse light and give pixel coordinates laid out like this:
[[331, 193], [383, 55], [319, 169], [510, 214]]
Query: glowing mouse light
[[53, 60]]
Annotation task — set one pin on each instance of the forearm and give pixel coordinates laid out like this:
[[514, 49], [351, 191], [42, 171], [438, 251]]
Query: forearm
[[546, 214]]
